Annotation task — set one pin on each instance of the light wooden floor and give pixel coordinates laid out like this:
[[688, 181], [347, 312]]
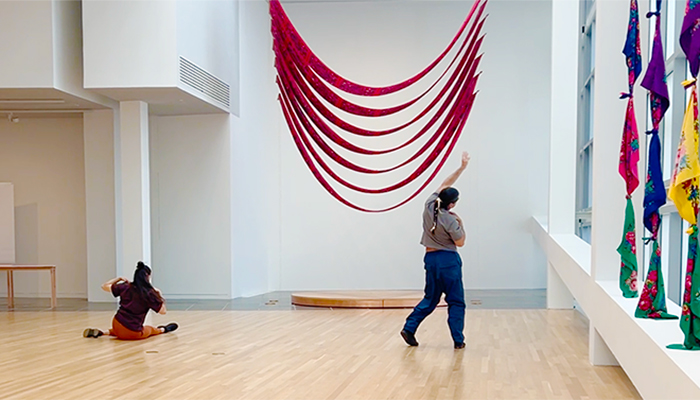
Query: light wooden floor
[[305, 354]]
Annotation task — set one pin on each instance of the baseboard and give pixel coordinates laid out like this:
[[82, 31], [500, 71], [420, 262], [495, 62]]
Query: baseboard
[[66, 295], [169, 296]]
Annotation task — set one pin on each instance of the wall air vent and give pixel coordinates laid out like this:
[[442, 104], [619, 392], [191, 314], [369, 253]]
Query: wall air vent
[[202, 81]]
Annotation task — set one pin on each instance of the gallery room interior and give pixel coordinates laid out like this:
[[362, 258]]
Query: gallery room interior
[[274, 164]]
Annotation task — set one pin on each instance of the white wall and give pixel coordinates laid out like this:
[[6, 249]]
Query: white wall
[[190, 205], [207, 35], [44, 39], [325, 245], [98, 139], [29, 25], [129, 44], [137, 44], [255, 161], [67, 38], [67, 45], [43, 159]]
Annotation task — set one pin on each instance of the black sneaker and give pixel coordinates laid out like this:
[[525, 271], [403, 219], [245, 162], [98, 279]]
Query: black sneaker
[[409, 337], [169, 328], [93, 333], [460, 345]]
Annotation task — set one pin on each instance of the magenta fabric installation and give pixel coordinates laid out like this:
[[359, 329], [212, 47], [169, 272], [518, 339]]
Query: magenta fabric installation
[[312, 104]]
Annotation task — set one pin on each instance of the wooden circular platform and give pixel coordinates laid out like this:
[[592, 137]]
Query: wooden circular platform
[[360, 299]]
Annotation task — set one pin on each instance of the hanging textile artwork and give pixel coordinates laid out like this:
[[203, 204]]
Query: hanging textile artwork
[[684, 193], [309, 94], [652, 302], [690, 36], [685, 183], [629, 158]]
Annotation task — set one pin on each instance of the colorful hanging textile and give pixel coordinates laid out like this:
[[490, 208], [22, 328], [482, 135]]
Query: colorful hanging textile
[[632, 49], [690, 323], [685, 182], [309, 103], [652, 302], [629, 158], [684, 193], [690, 39], [628, 255]]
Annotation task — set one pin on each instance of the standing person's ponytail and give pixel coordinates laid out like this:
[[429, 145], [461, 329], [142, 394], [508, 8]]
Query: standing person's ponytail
[[446, 197], [435, 214]]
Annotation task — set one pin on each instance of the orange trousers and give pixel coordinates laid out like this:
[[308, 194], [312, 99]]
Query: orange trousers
[[124, 333]]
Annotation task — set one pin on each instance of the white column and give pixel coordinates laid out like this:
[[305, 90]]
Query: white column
[[133, 191], [562, 160], [562, 164], [609, 113], [98, 137]]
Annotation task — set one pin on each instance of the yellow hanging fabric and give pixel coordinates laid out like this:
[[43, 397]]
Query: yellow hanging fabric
[[684, 184]]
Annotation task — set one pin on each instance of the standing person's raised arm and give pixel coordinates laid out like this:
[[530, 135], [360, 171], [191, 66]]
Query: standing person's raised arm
[[455, 175]]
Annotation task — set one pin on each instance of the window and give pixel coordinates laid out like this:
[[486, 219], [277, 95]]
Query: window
[[584, 164]]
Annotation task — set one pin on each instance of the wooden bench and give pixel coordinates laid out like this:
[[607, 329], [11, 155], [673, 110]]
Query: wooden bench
[[10, 268]]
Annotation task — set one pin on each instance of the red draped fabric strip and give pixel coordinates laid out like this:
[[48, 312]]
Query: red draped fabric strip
[[292, 81], [292, 57], [280, 18], [445, 133], [340, 198], [466, 91], [349, 146], [300, 86], [301, 77]]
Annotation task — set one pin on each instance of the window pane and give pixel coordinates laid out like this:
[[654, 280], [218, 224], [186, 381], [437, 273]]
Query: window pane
[[591, 97], [679, 283], [589, 177], [586, 68], [670, 42], [585, 234], [591, 42], [688, 75], [667, 136], [674, 260]]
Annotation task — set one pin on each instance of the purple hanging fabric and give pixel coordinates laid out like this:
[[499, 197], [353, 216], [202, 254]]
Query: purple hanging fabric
[[655, 78], [652, 302], [655, 81], [690, 35]]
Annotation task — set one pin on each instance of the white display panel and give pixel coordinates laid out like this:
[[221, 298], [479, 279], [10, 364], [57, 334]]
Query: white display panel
[[7, 224]]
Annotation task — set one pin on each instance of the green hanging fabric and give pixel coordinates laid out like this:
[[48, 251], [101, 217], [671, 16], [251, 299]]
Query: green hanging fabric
[[690, 318], [628, 254], [652, 303]]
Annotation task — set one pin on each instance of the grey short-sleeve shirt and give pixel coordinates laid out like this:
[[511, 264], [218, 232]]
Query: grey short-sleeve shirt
[[447, 230]]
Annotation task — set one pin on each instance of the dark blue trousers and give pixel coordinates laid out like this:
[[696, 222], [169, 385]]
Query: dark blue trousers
[[443, 274]]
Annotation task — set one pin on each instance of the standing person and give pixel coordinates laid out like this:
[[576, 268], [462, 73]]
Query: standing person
[[136, 299], [443, 232]]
